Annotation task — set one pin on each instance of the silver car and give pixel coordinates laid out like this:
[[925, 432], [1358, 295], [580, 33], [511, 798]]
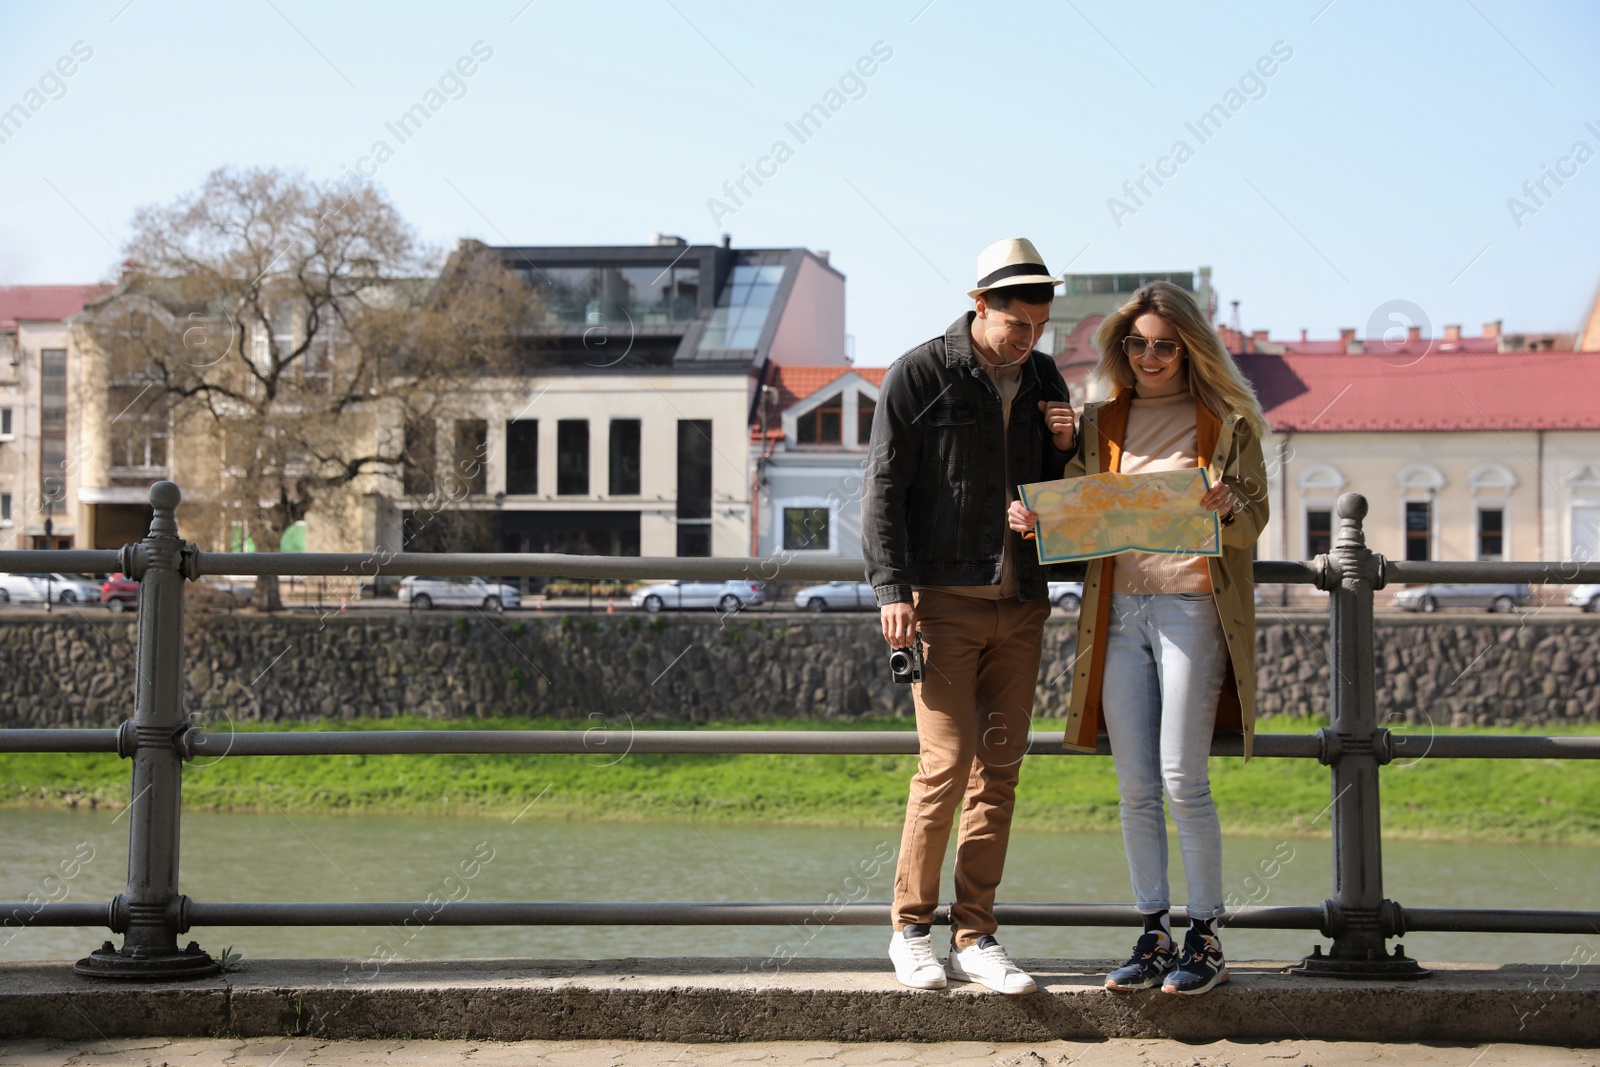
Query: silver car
[[457, 592], [683, 594], [837, 596], [75, 589], [1501, 599], [1068, 596], [25, 588], [1585, 598]]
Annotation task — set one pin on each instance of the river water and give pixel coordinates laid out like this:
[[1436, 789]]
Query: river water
[[230, 857]]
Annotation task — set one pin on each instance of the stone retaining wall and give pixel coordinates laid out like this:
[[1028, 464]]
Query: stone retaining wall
[[77, 669]]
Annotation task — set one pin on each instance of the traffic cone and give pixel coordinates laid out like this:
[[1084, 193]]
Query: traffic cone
[[344, 603], [611, 605]]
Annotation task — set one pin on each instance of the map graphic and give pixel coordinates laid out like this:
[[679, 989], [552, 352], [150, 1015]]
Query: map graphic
[[1103, 514]]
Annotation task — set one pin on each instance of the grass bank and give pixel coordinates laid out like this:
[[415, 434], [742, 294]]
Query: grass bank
[[1549, 801]]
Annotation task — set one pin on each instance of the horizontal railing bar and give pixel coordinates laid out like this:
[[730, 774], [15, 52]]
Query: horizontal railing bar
[[683, 913], [1500, 921], [22, 913], [62, 561], [614, 744], [1414, 746], [632, 568], [687, 913], [1417, 572], [32, 739]]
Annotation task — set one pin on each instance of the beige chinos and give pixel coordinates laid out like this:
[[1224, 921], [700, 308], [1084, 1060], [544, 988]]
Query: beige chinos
[[974, 708]]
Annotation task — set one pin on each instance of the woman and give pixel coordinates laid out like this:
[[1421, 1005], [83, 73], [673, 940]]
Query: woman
[[1170, 639]]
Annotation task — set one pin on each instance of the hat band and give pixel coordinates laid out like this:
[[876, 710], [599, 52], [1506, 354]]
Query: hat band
[[1012, 271]]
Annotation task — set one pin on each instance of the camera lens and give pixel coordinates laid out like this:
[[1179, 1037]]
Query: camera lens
[[900, 661]]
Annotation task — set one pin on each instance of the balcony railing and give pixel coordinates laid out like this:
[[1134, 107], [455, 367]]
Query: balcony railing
[[159, 740]]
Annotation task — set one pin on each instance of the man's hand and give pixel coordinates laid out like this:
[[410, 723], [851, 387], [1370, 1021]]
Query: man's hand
[[899, 624], [1060, 422]]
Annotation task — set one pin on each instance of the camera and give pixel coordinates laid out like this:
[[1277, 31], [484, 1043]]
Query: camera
[[905, 664]]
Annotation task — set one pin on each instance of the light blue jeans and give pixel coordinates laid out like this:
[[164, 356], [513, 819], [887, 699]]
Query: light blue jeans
[[1165, 661]]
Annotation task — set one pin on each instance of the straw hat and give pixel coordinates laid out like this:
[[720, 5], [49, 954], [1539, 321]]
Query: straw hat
[[1013, 261]]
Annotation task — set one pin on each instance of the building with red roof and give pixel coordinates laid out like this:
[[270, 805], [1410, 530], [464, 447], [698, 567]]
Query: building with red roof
[[1467, 448], [41, 416], [810, 429]]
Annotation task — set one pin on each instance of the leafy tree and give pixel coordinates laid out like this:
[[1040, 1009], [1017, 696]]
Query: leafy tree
[[304, 347]]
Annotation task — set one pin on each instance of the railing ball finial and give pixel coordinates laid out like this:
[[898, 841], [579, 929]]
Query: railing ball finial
[[1352, 506], [164, 498]]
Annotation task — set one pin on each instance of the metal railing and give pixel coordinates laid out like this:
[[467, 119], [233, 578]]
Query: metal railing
[[159, 739]]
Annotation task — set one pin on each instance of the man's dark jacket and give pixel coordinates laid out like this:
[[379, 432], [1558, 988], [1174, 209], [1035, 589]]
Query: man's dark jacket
[[934, 504]]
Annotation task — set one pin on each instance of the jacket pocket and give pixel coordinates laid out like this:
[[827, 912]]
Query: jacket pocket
[[954, 413]]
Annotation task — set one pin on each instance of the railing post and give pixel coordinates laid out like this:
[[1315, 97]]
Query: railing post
[[1358, 917], [150, 913]]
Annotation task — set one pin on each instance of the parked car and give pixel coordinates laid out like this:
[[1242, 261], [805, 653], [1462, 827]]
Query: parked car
[[24, 588], [1068, 596], [426, 593], [75, 588], [727, 596], [119, 593], [837, 596], [1501, 599], [223, 591], [1586, 597]]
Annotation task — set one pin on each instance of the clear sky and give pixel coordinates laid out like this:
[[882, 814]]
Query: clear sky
[[1374, 163]]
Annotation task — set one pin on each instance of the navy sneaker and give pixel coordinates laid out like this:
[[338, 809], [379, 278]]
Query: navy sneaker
[[1200, 965], [1151, 960]]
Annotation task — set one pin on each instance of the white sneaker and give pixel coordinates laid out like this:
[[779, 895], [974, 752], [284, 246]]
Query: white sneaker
[[987, 964], [915, 965]]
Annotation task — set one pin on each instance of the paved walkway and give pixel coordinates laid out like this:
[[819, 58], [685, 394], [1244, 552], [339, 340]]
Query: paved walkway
[[302, 1052]]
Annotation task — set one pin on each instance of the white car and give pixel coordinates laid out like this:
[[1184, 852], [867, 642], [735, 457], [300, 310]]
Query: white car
[[1585, 597], [837, 596], [1068, 596], [457, 592], [25, 588], [75, 589], [727, 597]]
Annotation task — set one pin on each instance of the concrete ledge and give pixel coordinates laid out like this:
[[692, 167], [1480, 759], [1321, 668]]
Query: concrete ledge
[[736, 999]]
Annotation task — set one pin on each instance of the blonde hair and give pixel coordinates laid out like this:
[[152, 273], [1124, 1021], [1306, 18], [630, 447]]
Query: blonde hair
[[1214, 378]]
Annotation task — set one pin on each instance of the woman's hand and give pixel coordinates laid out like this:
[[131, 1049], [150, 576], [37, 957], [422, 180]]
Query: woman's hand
[[1220, 498], [1019, 518]]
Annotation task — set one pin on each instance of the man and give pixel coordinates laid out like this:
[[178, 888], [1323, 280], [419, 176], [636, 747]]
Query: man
[[962, 421]]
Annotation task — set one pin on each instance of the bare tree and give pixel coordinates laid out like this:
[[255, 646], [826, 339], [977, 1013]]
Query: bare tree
[[302, 333]]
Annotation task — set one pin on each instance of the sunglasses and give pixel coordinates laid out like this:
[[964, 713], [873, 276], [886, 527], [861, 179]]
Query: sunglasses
[[1165, 351]]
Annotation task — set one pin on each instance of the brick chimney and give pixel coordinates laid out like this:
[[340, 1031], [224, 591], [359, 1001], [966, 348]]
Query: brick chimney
[[1302, 335], [1492, 329], [1413, 333], [1452, 332]]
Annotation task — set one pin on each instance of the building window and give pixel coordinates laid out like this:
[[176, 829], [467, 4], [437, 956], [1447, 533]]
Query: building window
[[421, 461], [1419, 529], [1319, 532], [805, 528], [5, 422], [1491, 533], [522, 457], [5, 507], [865, 406], [694, 487], [472, 450], [624, 457], [742, 307], [572, 457], [822, 425], [52, 415]]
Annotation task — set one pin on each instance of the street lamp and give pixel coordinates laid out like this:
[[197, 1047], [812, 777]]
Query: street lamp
[[54, 490]]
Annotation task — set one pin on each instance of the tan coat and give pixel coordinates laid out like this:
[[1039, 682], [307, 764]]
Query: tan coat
[[1234, 453]]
